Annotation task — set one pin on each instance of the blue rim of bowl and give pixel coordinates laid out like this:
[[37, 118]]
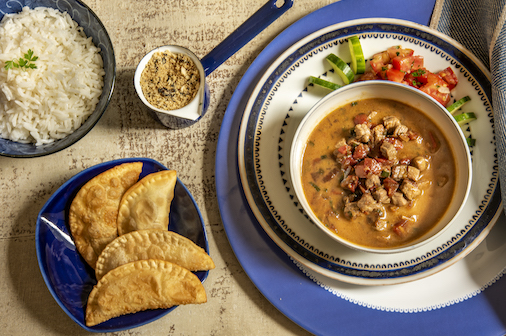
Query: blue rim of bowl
[[109, 80], [64, 196], [489, 207]]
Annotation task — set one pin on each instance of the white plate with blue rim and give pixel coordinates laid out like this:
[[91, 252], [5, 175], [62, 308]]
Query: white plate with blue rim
[[279, 102]]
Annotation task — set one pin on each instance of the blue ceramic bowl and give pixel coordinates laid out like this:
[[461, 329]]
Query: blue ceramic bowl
[[69, 278], [93, 27]]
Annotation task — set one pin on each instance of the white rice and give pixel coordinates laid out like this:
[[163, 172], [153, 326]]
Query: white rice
[[48, 103]]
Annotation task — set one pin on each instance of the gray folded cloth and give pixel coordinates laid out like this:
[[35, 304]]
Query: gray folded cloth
[[480, 26]]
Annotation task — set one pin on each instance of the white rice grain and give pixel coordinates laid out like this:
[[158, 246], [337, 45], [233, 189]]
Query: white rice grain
[[48, 103]]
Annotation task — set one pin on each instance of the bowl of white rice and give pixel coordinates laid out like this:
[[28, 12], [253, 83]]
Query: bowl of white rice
[[57, 75]]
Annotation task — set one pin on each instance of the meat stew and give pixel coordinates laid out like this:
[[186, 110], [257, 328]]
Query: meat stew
[[378, 173]]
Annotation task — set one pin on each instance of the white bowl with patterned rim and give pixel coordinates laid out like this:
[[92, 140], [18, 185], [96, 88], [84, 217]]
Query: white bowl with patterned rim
[[403, 94]]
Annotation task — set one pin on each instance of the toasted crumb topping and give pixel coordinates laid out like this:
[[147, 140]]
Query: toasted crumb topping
[[170, 80]]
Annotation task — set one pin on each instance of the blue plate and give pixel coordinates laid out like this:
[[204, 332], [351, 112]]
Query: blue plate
[[69, 278]]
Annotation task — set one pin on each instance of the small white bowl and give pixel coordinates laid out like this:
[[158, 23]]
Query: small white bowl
[[404, 94], [187, 115]]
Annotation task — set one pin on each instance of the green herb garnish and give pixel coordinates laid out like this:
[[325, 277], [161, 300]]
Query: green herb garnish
[[23, 63]]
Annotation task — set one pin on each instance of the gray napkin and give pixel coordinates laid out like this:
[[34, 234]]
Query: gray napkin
[[480, 25]]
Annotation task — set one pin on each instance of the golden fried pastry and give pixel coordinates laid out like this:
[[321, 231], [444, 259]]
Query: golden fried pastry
[[142, 285], [153, 244], [146, 205], [94, 210]]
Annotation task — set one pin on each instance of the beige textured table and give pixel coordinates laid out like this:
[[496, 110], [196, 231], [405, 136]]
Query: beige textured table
[[235, 306]]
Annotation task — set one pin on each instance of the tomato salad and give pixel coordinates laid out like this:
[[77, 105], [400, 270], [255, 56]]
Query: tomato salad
[[401, 65]]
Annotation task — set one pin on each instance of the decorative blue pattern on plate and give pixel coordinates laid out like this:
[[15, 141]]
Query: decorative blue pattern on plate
[[69, 278], [92, 27], [281, 99]]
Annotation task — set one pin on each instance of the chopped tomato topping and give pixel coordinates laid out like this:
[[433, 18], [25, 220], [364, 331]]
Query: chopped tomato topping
[[449, 77], [367, 76], [390, 185], [407, 64], [350, 182], [368, 167], [437, 88], [360, 152], [379, 61], [400, 228], [395, 75], [396, 142], [361, 118], [348, 162], [397, 51], [401, 65]]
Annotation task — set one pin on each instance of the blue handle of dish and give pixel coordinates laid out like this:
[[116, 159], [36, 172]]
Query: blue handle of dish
[[266, 15]]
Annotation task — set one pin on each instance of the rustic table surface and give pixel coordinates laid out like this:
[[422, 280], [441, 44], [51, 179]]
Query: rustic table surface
[[235, 306]]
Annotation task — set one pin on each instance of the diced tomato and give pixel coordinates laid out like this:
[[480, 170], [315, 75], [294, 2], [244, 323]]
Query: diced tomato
[[417, 78], [407, 64], [390, 186], [368, 167], [343, 149], [348, 162], [361, 118], [379, 61], [395, 75], [437, 88], [449, 77], [382, 74], [360, 152], [373, 165], [384, 162], [350, 182], [405, 162], [330, 175], [400, 227], [369, 75], [413, 135], [396, 142], [399, 51]]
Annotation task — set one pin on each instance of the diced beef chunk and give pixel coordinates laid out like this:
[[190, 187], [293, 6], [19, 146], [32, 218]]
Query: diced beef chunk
[[401, 132], [378, 134], [388, 150], [362, 133], [420, 162], [410, 189], [381, 225], [342, 149], [367, 203], [381, 196], [398, 199], [372, 181], [413, 173], [399, 172], [391, 123], [351, 210]]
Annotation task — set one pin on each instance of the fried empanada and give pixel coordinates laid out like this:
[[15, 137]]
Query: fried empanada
[[153, 244], [94, 210], [142, 285], [146, 205]]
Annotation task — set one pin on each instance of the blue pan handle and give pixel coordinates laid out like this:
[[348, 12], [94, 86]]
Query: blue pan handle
[[242, 35]]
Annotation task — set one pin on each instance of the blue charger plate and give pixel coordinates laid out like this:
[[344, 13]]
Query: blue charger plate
[[69, 278], [273, 272]]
